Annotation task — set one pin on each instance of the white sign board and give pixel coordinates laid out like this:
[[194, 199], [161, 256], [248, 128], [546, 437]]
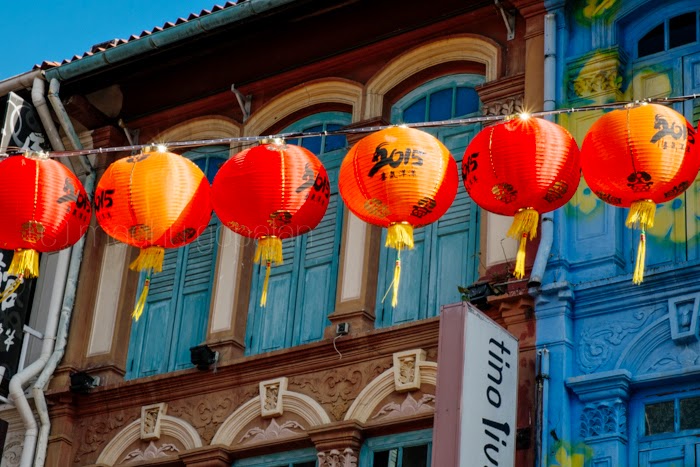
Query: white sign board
[[489, 393]]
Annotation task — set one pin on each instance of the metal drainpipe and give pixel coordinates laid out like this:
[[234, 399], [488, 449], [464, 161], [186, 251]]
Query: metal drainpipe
[[543, 398], [550, 81], [39, 101], [70, 290]]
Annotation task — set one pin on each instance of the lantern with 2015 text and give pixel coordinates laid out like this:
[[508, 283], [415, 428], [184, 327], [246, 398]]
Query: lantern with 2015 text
[[638, 157], [398, 178], [44, 207], [271, 192], [523, 167], [153, 200]]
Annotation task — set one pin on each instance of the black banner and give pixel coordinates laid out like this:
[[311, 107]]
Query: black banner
[[22, 127], [14, 313]]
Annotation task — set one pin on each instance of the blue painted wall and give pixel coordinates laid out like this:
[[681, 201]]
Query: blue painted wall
[[624, 359]]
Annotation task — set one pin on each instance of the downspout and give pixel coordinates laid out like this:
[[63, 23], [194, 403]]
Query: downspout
[[39, 102], [68, 295], [543, 409], [550, 81], [20, 379]]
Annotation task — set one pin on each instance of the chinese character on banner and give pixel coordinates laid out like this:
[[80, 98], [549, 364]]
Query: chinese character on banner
[[14, 312]]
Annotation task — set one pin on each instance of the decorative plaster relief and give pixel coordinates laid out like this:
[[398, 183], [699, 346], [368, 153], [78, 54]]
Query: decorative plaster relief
[[600, 81], [151, 452], [407, 369], [668, 358], [603, 419], [271, 397], [407, 408], [272, 431], [97, 431], [508, 106], [683, 314], [151, 416], [207, 413], [334, 458], [12, 452], [596, 342], [335, 389]]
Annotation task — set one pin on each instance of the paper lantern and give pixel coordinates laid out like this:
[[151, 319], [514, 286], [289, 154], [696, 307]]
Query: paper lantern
[[44, 208], [638, 157], [523, 167], [398, 178], [271, 192], [153, 200]]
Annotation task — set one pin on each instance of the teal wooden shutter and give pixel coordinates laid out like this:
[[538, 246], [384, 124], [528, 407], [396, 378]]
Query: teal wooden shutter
[[445, 252], [301, 293], [691, 81], [153, 330], [177, 309]]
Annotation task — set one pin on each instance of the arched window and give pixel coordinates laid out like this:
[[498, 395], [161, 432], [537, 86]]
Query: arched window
[[177, 309], [673, 32], [445, 253], [301, 292]]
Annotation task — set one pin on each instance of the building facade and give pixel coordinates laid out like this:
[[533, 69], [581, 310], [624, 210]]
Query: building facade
[[286, 389], [620, 367]]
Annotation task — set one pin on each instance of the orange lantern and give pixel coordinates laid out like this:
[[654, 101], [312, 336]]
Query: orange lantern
[[153, 200], [638, 157], [44, 208], [271, 192], [522, 167], [398, 178]]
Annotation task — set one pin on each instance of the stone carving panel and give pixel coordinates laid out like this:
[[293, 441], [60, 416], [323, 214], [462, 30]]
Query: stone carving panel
[[408, 407], [604, 418], [271, 397], [683, 315], [336, 458], [207, 413], [597, 343], [95, 432], [507, 106], [151, 416], [336, 389], [12, 452], [407, 369], [271, 432], [151, 452]]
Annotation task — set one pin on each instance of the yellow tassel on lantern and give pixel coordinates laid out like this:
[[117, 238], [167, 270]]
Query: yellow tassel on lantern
[[400, 236], [268, 250], [25, 263], [150, 258], [524, 225], [641, 215], [138, 310], [395, 282]]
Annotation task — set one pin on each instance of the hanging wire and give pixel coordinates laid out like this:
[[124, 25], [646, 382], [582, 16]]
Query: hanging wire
[[351, 131]]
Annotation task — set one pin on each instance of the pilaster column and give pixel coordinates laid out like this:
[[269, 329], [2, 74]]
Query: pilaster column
[[338, 445]]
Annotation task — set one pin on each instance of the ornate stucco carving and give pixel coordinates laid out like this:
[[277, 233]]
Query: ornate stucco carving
[[272, 431], [507, 106], [151, 452], [604, 418], [335, 389], [336, 458], [407, 375], [96, 432], [271, 404], [151, 417], [596, 76], [595, 343], [408, 407]]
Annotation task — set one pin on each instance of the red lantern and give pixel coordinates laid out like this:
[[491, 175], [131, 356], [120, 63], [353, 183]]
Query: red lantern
[[152, 201], [44, 208], [398, 178], [271, 192], [522, 167], [638, 157]]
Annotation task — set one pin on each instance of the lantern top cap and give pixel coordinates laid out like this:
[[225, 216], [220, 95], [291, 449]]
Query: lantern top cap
[[278, 141]]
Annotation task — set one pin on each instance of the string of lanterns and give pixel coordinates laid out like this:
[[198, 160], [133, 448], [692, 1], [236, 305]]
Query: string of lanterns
[[397, 177]]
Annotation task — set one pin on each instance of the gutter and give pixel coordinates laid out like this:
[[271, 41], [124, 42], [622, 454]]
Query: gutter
[[19, 82], [161, 39]]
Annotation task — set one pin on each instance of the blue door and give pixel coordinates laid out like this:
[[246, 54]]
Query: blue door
[[177, 309], [445, 252], [301, 292]]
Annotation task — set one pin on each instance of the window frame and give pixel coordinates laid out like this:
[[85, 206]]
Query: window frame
[[277, 459], [400, 441]]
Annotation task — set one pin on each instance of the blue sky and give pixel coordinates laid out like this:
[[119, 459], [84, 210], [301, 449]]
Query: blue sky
[[55, 30]]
